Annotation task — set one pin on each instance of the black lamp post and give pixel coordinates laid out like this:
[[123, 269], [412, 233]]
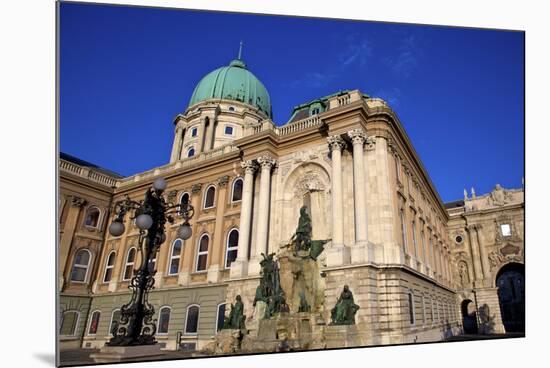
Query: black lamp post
[[136, 326]]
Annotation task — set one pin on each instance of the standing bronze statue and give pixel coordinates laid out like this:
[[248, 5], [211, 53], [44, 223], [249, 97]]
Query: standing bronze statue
[[269, 290], [303, 231], [344, 311], [235, 320]]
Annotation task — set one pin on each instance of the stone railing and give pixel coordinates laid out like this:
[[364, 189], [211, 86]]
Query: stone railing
[[70, 167], [184, 163], [87, 173], [299, 125]]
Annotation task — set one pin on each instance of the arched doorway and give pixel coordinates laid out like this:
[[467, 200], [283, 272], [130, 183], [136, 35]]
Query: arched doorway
[[510, 282], [469, 316]]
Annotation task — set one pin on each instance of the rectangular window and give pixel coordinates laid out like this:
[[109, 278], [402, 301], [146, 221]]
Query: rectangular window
[[194, 132], [228, 130], [505, 230], [411, 309]]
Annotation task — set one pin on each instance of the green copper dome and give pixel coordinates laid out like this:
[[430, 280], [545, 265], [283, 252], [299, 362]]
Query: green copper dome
[[233, 82]]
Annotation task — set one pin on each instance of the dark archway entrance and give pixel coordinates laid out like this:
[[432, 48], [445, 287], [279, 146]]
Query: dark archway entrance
[[469, 316], [510, 282]]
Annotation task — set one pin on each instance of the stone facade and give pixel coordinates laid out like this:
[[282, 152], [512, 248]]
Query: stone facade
[[487, 233], [391, 237]]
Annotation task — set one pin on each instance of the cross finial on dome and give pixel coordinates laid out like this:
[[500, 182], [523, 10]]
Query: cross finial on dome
[[240, 50]]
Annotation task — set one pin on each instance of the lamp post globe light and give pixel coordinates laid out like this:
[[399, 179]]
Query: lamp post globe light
[[136, 325]]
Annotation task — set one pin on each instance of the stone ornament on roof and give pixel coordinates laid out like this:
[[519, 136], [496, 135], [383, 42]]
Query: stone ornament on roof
[[499, 196]]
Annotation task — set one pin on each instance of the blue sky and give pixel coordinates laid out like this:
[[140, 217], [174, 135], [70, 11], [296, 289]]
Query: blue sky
[[125, 72]]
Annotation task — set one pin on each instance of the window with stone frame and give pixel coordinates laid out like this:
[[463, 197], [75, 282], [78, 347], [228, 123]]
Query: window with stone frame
[[94, 322], [115, 318], [228, 130], [69, 323], [164, 320], [194, 132], [175, 256], [91, 219], [129, 266], [192, 320], [505, 229], [237, 190], [191, 152], [109, 266], [209, 197], [220, 316], [81, 264], [202, 254], [403, 230], [411, 308], [232, 247]]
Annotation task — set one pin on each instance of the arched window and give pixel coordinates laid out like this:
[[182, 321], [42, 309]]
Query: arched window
[[69, 323], [129, 266], [423, 309], [81, 265], [192, 319], [164, 320], [184, 198], [191, 152], [202, 254], [403, 231], [209, 197], [109, 265], [115, 318], [411, 308], [220, 316], [237, 190], [423, 244], [413, 230], [92, 217], [231, 247], [175, 256], [94, 322]]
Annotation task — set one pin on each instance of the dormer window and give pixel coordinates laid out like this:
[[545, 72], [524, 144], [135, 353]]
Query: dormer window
[[231, 108], [228, 130], [315, 111], [194, 132]]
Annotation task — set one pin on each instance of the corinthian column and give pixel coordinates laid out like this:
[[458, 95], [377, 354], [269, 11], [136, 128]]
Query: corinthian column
[[266, 163], [338, 253], [239, 267], [358, 138]]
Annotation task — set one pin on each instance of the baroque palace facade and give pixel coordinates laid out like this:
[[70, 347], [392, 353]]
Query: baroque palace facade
[[420, 270]]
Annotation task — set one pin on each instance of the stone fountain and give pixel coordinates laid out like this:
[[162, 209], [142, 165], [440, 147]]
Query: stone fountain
[[289, 304]]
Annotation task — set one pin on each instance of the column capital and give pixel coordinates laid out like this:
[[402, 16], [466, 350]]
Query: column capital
[[335, 142], [357, 136], [222, 181], [266, 161], [249, 166], [196, 188]]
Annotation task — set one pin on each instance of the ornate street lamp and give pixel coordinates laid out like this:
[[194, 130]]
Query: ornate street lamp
[[136, 326]]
